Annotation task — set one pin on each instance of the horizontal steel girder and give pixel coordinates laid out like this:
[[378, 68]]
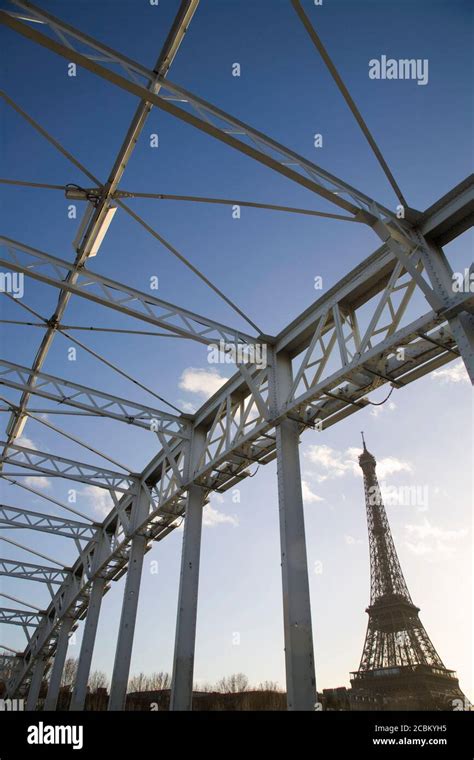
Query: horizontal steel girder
[[90, 400], [55, 466], [19, 617], [30, 572], [119, 297], [24, 518]]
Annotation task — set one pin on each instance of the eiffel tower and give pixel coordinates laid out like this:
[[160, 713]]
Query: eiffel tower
[[400, 669]]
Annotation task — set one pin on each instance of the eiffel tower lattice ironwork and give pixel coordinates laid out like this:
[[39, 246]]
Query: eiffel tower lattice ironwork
[[399, 668]]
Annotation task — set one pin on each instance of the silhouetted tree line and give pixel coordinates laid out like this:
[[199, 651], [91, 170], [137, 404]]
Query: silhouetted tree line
[[152, 692], [232, 692]]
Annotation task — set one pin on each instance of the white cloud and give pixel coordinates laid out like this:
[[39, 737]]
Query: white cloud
[[353, 453], [419, 548], [376, 411], [390, 465], [26, 442], [336, 464], [99, 499], [455, 373], [187, 406], [425, 538], [427, 530], [201, 381], [40, 482], [212, 517], [308, 495]]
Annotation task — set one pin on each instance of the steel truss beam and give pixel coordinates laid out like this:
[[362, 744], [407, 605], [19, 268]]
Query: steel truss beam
[[238, 434], [115, 295], [19, 617], [336, 359], [210, 119], [239, 431], [30, 572], [95, 217], [55, 466], [13, 517], [74, 593], [92, 401]]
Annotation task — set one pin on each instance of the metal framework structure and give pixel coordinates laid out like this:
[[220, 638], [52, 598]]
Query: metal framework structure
[[398, 660], [321, 368]]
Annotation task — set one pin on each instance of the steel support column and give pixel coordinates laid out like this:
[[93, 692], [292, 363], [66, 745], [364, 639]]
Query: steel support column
[[58, 665], [462, 325], [299, 655], [87, 647], [123, 652], [35, 685], [185, 639], [462, 328]]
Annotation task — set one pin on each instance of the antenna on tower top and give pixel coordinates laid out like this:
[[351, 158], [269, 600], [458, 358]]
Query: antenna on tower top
[[363, 439]]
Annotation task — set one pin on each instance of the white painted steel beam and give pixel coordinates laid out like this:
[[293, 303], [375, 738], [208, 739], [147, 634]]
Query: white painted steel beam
[[52, 465], [13, 517], [35, 685], [115, 295], [123, 652], [299, 654], [79, 693], [69, 393], [185, 637], [58, 665]]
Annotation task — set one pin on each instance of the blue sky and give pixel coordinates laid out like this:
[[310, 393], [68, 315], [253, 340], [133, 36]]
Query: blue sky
[[267, 263]]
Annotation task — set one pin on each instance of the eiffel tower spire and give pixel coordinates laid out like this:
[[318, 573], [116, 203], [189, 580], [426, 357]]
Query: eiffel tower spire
[[399, 667]]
